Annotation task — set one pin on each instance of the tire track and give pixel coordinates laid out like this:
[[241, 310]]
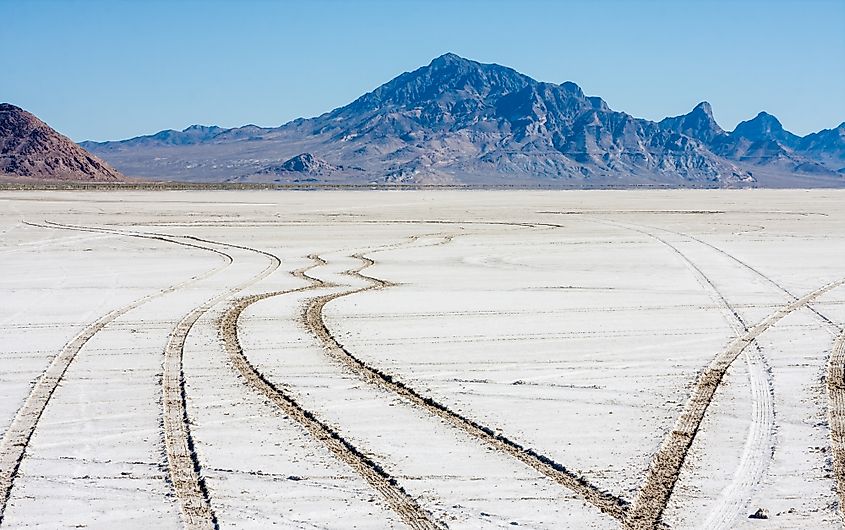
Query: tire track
[[184, 469], [183, 462], [663, 472], [395, 496], [836, 415], [731, 315], [762, 409], [756, 271], [313, 319], [759, 442], [16, 438], [757, 450], [247, 223], [835, 378]]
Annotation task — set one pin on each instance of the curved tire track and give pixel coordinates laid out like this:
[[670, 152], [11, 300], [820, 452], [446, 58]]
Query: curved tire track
[[16, 438], [395, 496], [313, 319], [183, 462], [756, 452], [759, 442], [184, 468], [651, 500], [835, 377]]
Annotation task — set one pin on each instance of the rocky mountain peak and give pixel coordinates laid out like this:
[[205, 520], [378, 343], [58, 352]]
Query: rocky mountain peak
[[765, 127], [762, 126], [446, 79], [762, 123], [827, 145], [705, 108], [448, 58], [698, 123], [203, 129], [11, 112]]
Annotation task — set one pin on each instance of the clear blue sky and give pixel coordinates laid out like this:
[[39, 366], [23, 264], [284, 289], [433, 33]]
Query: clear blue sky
[[114, 69]]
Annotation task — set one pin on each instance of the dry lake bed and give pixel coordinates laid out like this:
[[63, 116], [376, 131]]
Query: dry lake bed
[[422, 359]]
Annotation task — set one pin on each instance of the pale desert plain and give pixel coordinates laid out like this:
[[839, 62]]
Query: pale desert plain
[[422, 359]]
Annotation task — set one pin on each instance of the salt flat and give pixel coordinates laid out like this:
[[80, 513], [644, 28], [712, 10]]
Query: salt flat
[[425, 359]]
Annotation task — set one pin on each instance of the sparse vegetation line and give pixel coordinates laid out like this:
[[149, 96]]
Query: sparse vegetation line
[[396, 497]]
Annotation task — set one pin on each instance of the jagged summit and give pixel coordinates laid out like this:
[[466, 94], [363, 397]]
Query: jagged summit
[[448, 77], [698, 124], [828, 146], [31, 148], [762, 125], [203, 128], [448, 58], [704, 107], [765, 128]]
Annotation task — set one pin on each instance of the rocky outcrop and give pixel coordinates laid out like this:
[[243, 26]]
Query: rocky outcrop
[[304, 164]]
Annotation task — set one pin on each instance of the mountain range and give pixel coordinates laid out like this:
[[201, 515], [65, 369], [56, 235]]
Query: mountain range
[[457, 121]]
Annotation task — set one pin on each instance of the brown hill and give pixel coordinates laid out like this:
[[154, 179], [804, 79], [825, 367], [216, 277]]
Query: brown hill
[[32, 149]]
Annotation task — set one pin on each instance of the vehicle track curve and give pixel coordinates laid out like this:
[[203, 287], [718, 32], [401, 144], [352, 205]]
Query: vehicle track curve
[[16, 439], [374, 473]]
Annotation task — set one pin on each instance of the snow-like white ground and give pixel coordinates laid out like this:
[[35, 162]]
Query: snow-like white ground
[[575, 324]]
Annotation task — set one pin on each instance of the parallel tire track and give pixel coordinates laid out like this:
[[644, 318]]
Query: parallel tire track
[[313, 318], [663, 472], [183, 461], [756, 452], [758, 446], [184, 468], [396, 497], [16, 438], [835, 376]]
